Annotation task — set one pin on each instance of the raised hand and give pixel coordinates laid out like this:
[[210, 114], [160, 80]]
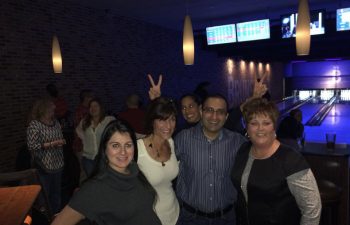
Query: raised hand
[[259, 87], [155, 89]]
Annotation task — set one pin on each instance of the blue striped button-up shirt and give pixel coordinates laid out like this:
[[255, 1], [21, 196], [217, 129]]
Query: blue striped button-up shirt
[[205, 166]]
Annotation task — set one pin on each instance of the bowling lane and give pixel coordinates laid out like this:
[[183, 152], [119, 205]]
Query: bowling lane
[[310, 108], [337, 121], [287, 103]]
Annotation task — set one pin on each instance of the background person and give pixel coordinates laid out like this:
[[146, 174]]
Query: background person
[[81, 111], [45, 141], [89, 131], [157, 158], [191, 104], [134, 115], [190, 109], [291, 129], [275, 184], [117, 192], [61, 110]]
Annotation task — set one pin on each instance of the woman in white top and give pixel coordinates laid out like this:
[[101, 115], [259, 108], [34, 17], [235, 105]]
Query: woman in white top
[[157, 158], [90, 130]]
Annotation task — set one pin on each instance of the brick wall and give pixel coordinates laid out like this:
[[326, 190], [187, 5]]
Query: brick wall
[[101, 51]]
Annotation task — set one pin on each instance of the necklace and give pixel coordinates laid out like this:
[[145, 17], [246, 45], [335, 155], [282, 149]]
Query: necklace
[[158, 154]]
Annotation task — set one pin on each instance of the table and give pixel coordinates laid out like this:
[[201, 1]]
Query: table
[[15, 203]]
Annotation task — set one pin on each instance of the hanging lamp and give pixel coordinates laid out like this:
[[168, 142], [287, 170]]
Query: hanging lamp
[[56, 55], [188, 42], [303, 37]]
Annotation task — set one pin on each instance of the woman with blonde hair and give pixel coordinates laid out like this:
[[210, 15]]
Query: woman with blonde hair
[[45, 142]]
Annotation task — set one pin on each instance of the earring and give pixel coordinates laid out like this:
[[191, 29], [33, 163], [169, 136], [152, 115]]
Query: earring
[[246, 135]]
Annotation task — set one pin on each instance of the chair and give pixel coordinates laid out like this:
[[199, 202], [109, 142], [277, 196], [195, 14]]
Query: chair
[[330, 192], [28, 177]]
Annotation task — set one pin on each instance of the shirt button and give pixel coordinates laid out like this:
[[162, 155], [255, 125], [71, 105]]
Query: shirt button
[[210, 199], [210, 185]]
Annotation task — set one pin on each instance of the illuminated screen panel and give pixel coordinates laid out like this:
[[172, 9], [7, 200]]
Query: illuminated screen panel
[[343, 19], [289, 24], [253, 30], [221, 34]]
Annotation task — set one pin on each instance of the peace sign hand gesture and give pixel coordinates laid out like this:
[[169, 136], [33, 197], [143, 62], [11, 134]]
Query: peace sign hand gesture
[[154, 90], [259, 88]]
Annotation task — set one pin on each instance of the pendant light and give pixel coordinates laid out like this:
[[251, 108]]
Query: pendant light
[[303, 37], [56, 55], [188, 42]]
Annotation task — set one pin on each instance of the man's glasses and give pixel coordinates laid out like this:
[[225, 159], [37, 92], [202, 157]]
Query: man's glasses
[[210, 110]]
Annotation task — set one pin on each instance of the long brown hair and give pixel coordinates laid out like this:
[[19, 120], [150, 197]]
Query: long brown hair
[[88, 118]]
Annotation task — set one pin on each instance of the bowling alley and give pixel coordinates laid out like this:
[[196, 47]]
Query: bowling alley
[[175, 112]]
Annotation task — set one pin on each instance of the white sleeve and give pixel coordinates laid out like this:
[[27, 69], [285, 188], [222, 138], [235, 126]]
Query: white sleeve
[[304, 188], [79, 130]]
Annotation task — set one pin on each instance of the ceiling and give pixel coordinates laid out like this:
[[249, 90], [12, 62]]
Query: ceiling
[[170, 13]]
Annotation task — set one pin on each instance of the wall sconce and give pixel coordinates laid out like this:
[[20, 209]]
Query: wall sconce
[[230, 65], [188, 42], [56, 55], [303, 37]]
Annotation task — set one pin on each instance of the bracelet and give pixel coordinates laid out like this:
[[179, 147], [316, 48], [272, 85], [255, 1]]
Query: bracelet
[[51, 144]]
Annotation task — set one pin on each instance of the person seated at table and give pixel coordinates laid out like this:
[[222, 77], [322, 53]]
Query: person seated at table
[[274, 182], [291, 129], [117, 192]]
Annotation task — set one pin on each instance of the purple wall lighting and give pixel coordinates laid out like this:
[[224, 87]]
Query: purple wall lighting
[[329, 74]]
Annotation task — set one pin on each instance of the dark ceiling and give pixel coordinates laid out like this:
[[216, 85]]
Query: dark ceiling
[[170, 14]]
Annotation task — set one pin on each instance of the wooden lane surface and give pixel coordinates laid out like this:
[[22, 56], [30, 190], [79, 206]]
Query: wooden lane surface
[[15, 203]]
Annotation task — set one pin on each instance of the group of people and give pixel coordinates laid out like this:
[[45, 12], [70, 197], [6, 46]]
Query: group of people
[[221, 176]]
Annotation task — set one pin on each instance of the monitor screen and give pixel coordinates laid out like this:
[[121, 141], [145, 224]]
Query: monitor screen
[[289, 23], [343, 19], [221, 34], [253, 30]]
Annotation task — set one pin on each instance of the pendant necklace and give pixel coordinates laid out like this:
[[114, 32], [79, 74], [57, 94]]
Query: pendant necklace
[[158, 154]]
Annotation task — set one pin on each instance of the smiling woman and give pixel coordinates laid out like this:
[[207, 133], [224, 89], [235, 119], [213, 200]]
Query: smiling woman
[[275, 184], [120, 152], [89, 131], [116, 192], [157, 158]]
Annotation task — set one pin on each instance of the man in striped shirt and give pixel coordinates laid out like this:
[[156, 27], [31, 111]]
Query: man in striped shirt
[[206, 153]]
